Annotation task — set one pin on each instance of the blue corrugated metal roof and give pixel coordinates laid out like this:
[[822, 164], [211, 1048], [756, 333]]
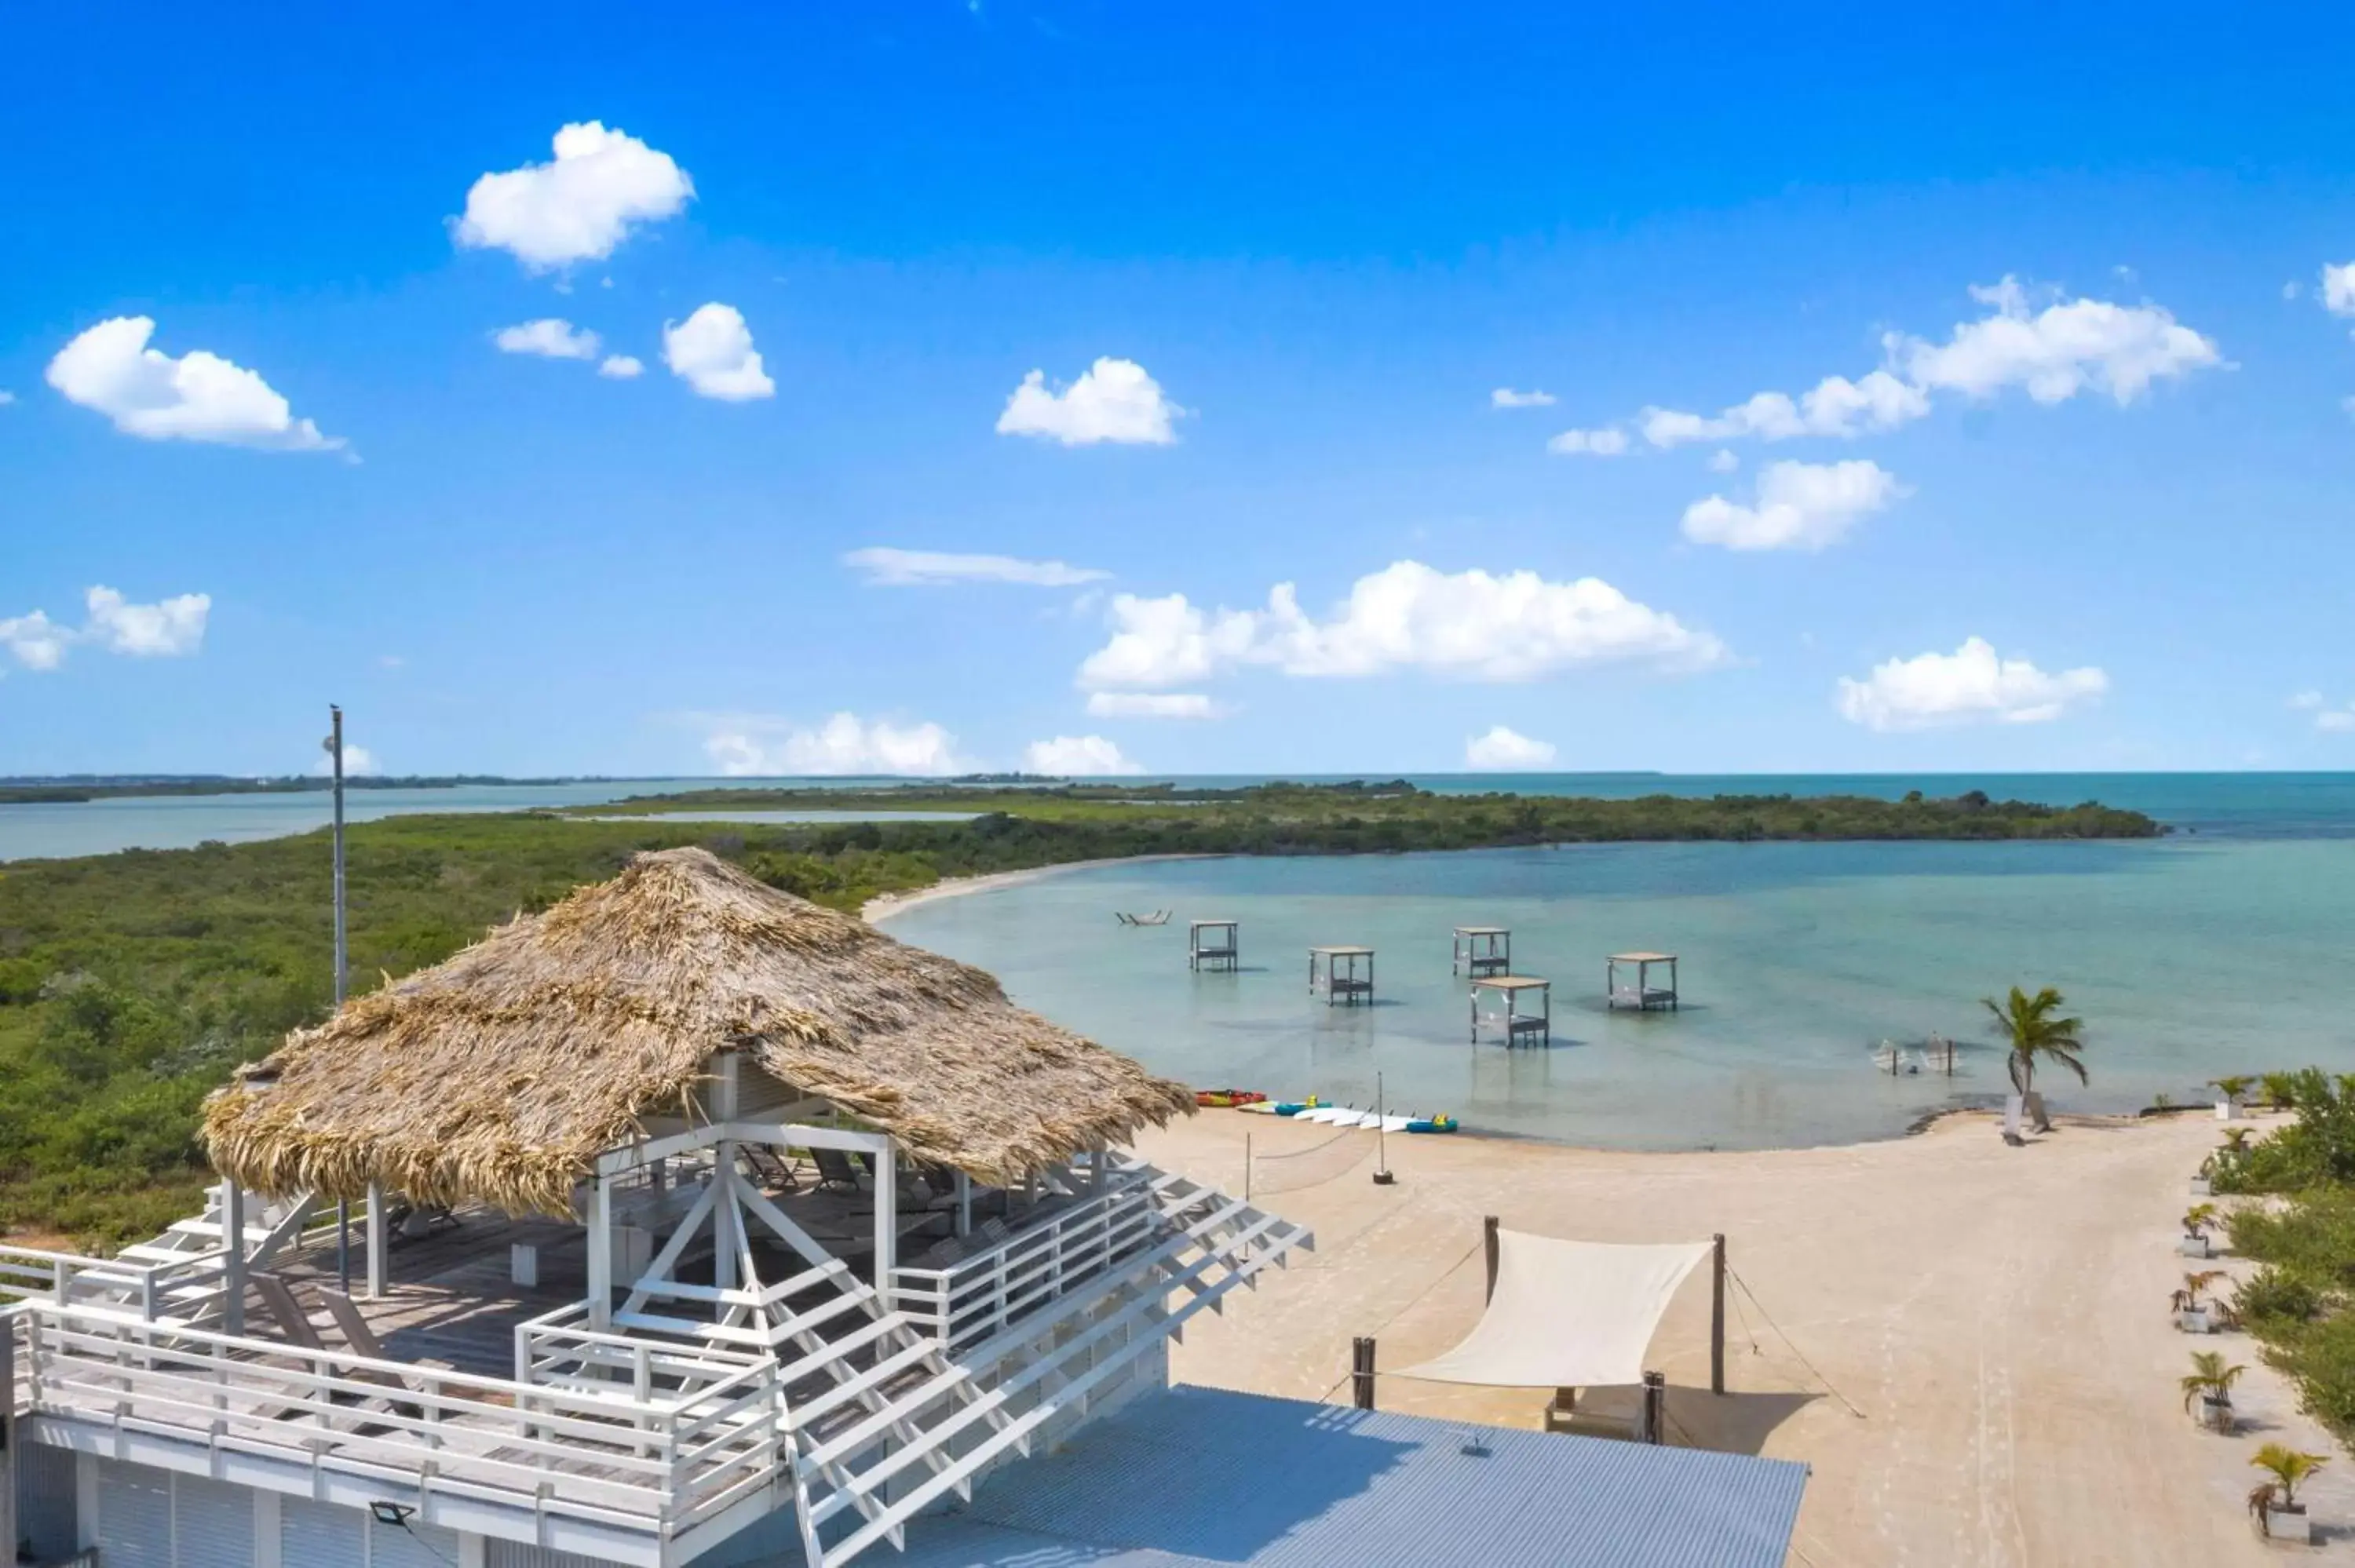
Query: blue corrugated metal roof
[[1201, 1476]]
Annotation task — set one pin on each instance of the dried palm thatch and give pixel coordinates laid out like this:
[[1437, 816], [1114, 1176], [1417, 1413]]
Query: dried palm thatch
[[503, 1072]]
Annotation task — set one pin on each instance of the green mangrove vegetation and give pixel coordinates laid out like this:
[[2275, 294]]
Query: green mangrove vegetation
[[2299, 1303]]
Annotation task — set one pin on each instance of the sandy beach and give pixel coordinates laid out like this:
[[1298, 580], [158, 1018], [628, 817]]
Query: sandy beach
[[884, 905], [1968, 1343]]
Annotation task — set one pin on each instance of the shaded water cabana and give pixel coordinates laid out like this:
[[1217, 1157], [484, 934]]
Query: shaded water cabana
[[1521, 1005], [1344, 975], [1643, 995], [1481, 950], [1213, 944], [742, 1208]]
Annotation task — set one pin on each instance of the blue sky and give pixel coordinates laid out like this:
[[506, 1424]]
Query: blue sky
[[1273, 268]]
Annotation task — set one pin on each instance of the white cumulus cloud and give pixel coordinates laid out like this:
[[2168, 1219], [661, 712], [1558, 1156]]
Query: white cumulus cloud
[[2338, 288], [2070, 345], [1799, 507], [1722, 460], [601, 185], [551, 338], [1970, 685], [1471, 625], [198, 396], [2336, 720], [358, 759], [712, 351], [1503, 750], [1154, 705], [2306, 700], [621, 366], [1834, 406], [1115, 400], [2055, 354], [1593, 443], [742, 746], [889, 568], [169, 628], [1506, 398], [165, 630], [36, 641], [1076, 756]]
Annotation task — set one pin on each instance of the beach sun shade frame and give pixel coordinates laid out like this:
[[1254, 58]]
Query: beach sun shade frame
[[1567, 1314]]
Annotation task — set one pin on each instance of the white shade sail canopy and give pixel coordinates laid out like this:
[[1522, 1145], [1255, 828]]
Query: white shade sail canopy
[[1567, 1314]]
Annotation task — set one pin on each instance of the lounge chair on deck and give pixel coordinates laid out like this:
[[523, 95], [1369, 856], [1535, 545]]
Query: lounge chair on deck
[[279, 1300], [835, 1173]]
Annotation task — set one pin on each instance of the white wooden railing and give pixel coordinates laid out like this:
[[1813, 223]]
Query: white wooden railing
[[661, 1464], [558, 1349], [981, 1296], [146, 1288]]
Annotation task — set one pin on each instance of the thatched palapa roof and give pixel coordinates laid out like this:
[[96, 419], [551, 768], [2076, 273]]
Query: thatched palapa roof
[[503, 1072]]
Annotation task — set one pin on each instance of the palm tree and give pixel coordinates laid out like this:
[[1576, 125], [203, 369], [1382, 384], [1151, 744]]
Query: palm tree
[[2278, 1087], [2196, 1219], [2031, 1025], [2187, 1300], [2289, 1468], [2236, 1141], [2234, 1088], [2211, 1379]]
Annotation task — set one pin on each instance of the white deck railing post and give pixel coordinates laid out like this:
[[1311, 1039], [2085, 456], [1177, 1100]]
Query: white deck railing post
[[232, 1213]]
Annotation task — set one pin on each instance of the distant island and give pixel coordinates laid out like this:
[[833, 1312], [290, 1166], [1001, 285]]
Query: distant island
[[70, 790]]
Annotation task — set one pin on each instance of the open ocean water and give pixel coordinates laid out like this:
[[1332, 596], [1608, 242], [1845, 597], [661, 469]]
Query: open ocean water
[[2223, 947]]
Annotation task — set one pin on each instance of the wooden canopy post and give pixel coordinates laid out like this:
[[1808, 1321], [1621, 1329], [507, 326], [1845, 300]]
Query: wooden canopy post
[[1716, 1313], [1361, 1372], [1489, 1241]]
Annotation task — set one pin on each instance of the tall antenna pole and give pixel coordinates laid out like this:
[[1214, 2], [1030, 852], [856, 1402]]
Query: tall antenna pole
[[343, 975], [335, 749], [1382, 1177]]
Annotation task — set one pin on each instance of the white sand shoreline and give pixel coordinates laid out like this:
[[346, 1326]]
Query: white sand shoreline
[[1992, 1321], [883, 905]]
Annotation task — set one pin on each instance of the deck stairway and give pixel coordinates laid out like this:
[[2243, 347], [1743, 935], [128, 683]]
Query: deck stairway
[[176, 1276], [887, 1420]]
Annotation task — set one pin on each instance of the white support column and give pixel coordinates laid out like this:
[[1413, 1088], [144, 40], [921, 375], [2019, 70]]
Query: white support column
[[599, 1221], [727, 1215], [232, 1211], [379, 1244], [887, 1214], [727, 1224], [269, 1535], [85, 1500]]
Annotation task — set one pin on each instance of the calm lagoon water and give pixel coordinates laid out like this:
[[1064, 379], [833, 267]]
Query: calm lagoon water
[[2188, 958]]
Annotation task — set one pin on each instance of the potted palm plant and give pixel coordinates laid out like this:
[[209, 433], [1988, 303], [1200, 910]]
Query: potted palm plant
[[2195, 1221], [2274, 1504], [2194, 1315], [2036, 1028], [2231, 1093], [2207, 1390], [2203, 1181]]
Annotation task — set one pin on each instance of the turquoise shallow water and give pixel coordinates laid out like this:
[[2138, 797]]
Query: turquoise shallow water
[[2188, 958]]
